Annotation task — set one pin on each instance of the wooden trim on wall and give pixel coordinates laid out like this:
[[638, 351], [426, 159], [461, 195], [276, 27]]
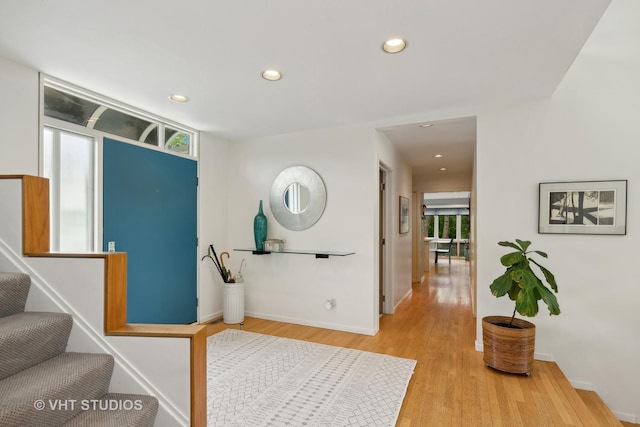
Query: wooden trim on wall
[[36, 237], [198, 367], [199, 377], [35, 214], [115, 291]]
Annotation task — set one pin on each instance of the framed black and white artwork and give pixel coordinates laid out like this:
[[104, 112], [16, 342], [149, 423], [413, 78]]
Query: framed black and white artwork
[[583, 207]]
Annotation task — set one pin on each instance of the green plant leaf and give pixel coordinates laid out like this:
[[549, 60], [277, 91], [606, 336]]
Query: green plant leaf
[[501, 285], [516, 274], [536, 291], [526, 303], [510, 244], [529, 280], [548, 276], [521, 282], [524, 244], [542, 254], [511, 258], [550, 299], [514, 291]]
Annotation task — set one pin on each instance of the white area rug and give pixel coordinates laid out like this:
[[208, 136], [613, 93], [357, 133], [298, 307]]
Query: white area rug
[[261, 380]]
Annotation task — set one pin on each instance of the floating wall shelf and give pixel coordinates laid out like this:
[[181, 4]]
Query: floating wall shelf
[[318, 254]]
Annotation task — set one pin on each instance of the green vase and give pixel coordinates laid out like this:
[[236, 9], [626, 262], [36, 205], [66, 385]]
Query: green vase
[[260, 228]]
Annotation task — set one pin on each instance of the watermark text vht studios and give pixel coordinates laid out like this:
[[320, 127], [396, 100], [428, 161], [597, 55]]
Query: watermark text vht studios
[[88, 405]]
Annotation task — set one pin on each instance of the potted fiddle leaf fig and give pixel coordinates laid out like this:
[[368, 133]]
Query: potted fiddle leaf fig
[[509, 342]]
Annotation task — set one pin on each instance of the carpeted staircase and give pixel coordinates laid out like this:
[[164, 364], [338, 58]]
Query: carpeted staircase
[[42, 385]]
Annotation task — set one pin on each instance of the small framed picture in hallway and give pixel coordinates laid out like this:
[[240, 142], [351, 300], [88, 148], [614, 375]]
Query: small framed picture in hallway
[[585, 207], [404, 215]]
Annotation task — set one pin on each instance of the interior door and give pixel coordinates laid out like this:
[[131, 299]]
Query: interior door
[[150, 212]]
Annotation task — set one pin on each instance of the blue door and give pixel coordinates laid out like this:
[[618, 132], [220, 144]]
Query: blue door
[[150, 212]]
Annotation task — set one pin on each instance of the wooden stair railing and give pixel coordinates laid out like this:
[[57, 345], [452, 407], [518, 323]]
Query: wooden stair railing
[[35, 238]]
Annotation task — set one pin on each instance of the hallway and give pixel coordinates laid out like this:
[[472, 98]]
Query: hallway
[[451, 385]]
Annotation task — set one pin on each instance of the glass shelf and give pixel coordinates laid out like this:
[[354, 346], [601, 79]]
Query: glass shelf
[[318, 254]]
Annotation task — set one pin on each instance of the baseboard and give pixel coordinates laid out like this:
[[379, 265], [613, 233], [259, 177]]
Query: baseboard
[[622, 416], [628, 418], [582, 385], [306, 322], [405, 296], [211, 317], [545, 357]]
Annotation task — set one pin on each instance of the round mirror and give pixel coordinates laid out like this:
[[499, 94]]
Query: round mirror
[[298, 198]]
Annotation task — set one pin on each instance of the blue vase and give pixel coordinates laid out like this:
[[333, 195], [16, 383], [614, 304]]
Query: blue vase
[[260, 228]]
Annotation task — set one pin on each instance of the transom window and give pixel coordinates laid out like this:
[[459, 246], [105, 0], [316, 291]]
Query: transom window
[[83, 110], [74, 123]]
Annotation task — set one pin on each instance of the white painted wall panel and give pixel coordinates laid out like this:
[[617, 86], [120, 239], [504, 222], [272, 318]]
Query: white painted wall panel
[[18, 119], [586, 131], [295, 287]]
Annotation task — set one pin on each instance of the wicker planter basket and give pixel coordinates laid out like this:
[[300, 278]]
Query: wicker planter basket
[[508, 349]]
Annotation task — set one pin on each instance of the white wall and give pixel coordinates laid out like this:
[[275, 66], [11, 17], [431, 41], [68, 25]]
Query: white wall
[[18, 119], [586, 131], [399, 247], [215, 178], [431, 183], [294, 288]]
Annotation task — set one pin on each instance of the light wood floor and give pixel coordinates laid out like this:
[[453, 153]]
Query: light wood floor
[[451, 385]]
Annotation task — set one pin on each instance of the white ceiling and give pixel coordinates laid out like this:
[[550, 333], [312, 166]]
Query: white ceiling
[[454, 139], [461, 54]]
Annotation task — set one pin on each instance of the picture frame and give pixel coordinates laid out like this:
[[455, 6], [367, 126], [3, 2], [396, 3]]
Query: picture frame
[[583, 207], [404, 215]]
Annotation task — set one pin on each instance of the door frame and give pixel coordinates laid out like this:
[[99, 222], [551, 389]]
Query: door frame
[[384, 232]]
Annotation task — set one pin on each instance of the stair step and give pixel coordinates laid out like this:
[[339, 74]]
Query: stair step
[[14, 288], [27, 339], [117, 410], [50, 393], [598, 408]]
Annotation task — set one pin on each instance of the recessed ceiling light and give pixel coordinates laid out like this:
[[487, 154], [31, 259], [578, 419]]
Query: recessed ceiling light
[[394, 45], [426, 125], [179, 98], [271, 75], [437, 156], [443, 169]]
